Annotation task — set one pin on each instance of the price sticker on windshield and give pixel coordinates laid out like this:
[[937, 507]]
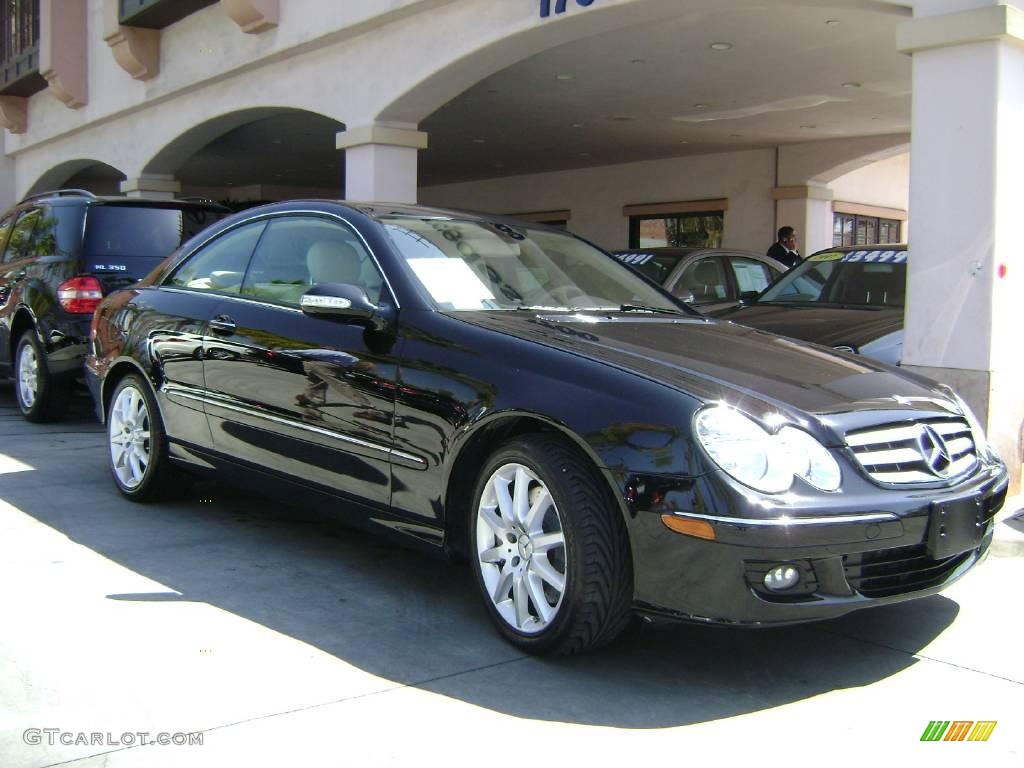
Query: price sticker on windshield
[[830, 256], [876, 257]]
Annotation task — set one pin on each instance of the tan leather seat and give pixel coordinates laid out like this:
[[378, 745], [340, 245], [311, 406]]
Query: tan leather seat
[[331, 261]]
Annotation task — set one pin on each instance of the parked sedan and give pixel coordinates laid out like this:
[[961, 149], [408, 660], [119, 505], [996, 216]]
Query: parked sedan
[[850, 299], [510, 394], [709, 279]]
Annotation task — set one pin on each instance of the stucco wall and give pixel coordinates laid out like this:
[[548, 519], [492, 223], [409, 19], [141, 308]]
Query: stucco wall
[[6, 177], [885, 183], [595, 196]]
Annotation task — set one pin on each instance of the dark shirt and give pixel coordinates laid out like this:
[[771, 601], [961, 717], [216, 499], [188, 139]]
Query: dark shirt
[[779, 253]]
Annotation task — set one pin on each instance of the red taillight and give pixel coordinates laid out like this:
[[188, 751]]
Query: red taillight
[[80, 295]]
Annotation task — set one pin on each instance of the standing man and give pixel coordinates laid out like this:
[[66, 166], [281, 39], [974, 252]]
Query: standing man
[[784, 249]]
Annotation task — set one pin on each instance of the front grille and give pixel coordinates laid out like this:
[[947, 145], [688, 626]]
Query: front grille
[[919, 452], [897, 571]]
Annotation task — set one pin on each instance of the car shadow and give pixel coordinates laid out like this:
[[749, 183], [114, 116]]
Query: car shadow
[[415, 619]]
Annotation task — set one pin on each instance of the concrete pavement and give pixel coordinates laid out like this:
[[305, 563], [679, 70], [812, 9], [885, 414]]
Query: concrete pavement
[[285, 639]]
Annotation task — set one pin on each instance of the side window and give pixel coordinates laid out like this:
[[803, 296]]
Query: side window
[[751, 275], [705, 279], [20, 244], [220, 265], [297, 253]]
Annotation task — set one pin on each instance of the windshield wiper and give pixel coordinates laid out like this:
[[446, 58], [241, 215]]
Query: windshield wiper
[[646, 308]]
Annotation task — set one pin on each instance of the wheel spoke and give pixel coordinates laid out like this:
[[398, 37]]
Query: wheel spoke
[[136, 465], [497, 525], [540, 565], [504, 500], [494, 555], [540, 601], [535, 516], [521, 599], [521, 496], [545, 542], [504, 583]]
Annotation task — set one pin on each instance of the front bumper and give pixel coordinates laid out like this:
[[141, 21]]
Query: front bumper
[[858, 551]]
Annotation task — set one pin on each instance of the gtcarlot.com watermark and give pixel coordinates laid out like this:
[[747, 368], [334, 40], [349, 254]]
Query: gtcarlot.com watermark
[[54, 736]]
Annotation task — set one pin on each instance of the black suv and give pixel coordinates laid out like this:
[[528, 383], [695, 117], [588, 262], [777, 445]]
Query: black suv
[[62, 252]]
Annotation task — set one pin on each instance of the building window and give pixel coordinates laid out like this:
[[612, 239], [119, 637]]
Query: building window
[[558, 219], [854, 224], [697, 224]]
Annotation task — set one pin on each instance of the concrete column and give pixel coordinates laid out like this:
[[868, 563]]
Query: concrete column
[[966, 272], [380, 162], [7, 190], [808, 209], [155, 186]]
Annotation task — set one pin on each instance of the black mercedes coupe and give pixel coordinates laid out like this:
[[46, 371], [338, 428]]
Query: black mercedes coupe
[[512, 395]]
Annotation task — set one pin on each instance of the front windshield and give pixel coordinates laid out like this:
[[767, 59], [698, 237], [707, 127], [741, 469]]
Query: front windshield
[[857, 278], [471, 265]]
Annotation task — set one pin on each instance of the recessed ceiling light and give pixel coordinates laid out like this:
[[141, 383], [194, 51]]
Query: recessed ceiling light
[[852, 84], [684, 141], [577, 125], [479, 141], [808, 127], [701, 106], [564, 76], [721, 46], [833, 22]]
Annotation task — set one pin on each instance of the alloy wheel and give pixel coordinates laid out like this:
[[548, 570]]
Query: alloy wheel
[[28, 376], [129, 436], [520, 545]]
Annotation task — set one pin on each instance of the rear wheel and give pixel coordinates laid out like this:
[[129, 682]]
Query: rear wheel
[[137, 443], [41, 396], [551, 552]]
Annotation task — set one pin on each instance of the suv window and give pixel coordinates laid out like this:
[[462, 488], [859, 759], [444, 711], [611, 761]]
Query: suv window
[[220, 265], [118, 236], [20, 244], [296, 253]]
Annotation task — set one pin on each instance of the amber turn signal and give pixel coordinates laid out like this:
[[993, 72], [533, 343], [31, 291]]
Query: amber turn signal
[[700, 529]]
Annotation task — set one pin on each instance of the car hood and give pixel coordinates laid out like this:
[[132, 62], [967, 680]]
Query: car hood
[[716, 361], [822, 325]]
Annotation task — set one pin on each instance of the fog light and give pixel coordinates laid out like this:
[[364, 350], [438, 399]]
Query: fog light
[[782, 577]]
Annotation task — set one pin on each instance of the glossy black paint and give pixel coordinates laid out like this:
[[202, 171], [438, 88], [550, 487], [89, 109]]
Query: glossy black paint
[[397, 422], [828, 326]]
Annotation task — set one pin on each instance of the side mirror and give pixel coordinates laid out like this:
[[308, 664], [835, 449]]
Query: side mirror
[[345, 302], [749, 297]]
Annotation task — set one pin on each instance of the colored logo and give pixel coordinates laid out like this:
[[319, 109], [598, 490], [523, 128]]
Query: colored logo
[[958, 730]]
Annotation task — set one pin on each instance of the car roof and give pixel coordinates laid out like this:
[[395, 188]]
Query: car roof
[[866, 247], [688, 251]]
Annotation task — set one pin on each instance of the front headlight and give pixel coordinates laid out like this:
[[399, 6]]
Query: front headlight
[[764, 461]]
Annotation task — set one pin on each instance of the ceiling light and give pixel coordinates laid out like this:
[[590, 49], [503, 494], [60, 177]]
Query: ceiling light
[[808, 127], [684, 141], [577, 125], [479, 141], [722, 46], [564, 76], [851, 84], [701, 106], [833, 22]]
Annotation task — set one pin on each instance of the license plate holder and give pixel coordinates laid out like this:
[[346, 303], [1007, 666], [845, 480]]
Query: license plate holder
[[955, 526]]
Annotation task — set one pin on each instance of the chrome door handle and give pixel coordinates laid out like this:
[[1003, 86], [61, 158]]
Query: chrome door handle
[[222, 324]]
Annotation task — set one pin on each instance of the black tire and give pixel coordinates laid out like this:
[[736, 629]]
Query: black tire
[[41, 396], [159, 479], [595, 602]]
